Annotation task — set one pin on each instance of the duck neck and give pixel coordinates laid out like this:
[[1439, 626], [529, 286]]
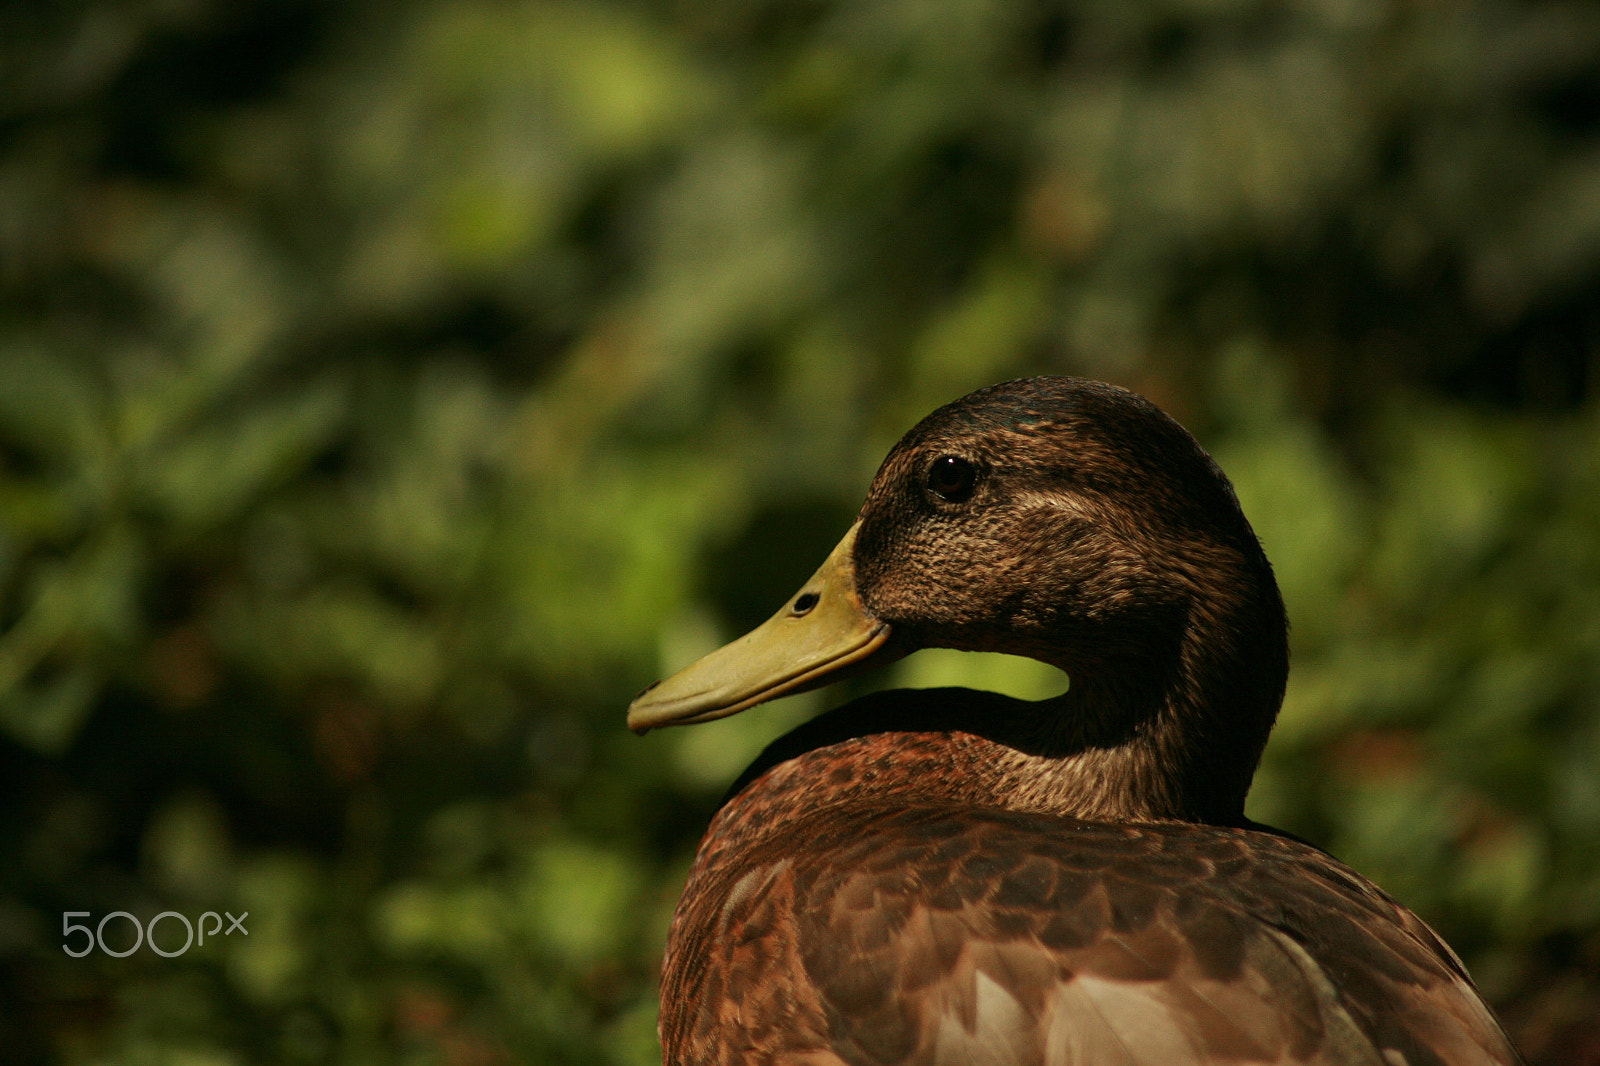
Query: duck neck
[[1146, 737], [1166, 718], [1141, 748]]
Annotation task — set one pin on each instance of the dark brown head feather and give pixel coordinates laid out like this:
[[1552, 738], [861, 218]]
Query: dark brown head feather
[[1101, 538]]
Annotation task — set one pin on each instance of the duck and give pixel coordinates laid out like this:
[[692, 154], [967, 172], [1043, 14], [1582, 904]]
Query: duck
[[948, 876]]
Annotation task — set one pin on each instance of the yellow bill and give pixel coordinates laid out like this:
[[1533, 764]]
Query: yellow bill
[[817, 634]]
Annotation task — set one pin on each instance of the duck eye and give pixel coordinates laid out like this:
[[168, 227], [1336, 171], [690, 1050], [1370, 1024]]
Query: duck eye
[[952, 478]]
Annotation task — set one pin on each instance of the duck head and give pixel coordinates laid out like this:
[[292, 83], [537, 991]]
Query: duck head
[[1064, 520]]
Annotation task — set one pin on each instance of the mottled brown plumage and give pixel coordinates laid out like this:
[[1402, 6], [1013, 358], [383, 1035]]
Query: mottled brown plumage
[[953, 876]]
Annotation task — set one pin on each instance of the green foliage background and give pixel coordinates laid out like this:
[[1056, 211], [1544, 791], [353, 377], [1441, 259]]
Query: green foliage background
[[388, 391]]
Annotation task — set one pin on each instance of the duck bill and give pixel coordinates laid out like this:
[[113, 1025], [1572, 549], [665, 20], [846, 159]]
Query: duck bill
[[821, 632]]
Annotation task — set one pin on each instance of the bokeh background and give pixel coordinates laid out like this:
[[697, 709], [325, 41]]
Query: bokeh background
[[388, 390]]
